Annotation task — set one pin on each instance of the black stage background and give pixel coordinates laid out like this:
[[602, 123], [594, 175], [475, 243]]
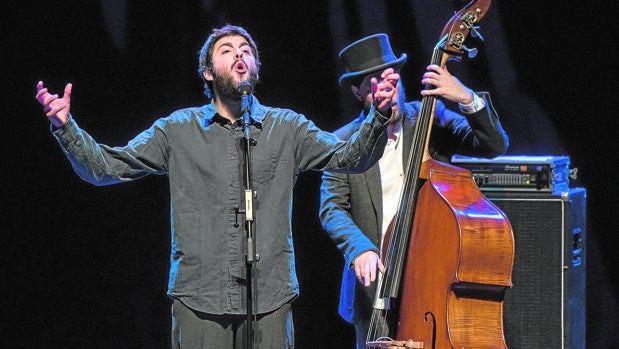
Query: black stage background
[[85, 266]]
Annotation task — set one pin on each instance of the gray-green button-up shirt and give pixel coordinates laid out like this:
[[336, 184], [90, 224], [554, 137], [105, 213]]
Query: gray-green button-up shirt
[[203, 158]]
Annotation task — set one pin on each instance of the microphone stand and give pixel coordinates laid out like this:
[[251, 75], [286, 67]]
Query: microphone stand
[[251, 257]]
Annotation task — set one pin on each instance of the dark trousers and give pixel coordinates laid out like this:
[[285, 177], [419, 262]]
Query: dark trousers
[[195, 330]]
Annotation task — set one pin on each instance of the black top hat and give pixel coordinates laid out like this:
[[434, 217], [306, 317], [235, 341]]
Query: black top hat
[[370, 54]]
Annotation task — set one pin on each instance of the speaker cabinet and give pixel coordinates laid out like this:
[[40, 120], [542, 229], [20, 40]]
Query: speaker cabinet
[[545, 308]]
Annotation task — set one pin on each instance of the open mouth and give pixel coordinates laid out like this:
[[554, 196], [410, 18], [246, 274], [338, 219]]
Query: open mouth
[[240, 67]]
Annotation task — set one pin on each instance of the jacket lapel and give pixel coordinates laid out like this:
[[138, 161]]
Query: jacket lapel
[[372, 177]]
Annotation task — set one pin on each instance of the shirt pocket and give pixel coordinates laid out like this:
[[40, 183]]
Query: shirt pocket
[[263, 165]]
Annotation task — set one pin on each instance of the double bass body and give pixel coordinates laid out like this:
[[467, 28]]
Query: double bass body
[[459, 263]]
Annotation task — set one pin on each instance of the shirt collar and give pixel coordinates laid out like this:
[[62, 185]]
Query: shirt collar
[[395, 129], [257, 112]]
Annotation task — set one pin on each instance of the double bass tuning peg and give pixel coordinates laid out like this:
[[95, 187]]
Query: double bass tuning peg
[[470, 52], [459, 37], [476, 33]]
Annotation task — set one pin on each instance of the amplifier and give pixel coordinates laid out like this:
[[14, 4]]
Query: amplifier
[[543, 173], [546, 307]]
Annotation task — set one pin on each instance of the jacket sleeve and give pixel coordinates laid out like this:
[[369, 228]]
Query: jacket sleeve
[[336, 218], [478, 134]]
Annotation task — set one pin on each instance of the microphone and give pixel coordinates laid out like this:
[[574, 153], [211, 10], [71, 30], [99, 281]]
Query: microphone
[[245, 89]]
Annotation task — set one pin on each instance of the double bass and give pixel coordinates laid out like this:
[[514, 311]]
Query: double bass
[[449, 251]]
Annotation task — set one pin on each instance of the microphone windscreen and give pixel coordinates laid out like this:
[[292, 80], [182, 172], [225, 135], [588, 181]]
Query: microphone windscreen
[[244, 88]]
